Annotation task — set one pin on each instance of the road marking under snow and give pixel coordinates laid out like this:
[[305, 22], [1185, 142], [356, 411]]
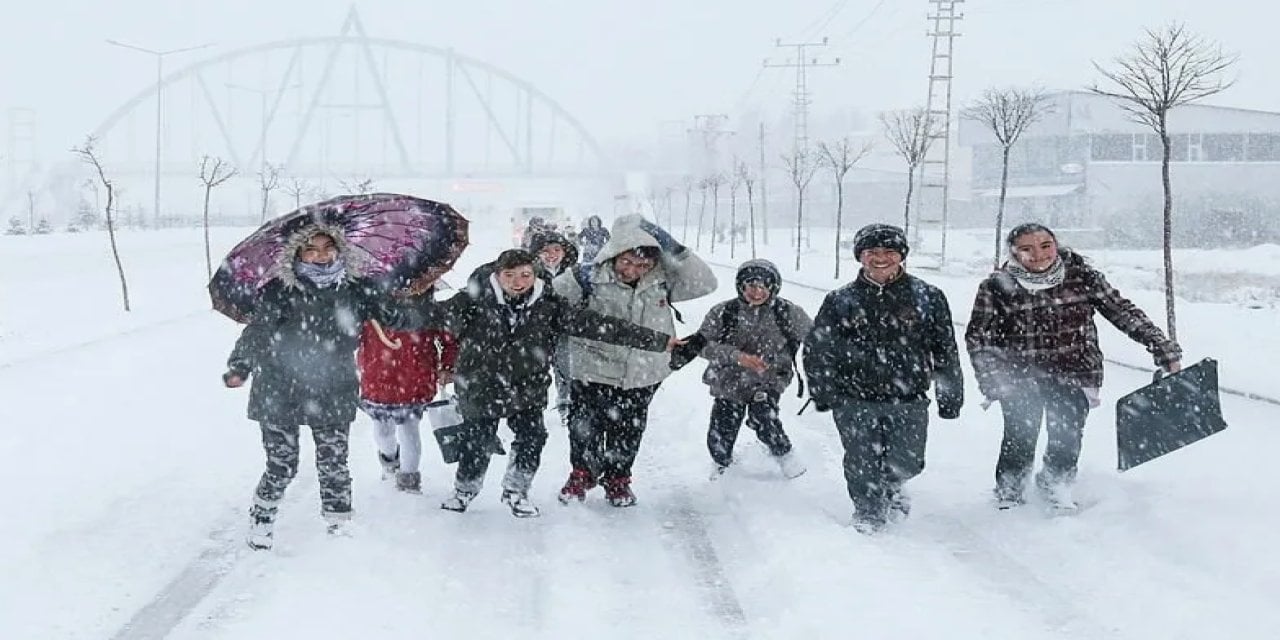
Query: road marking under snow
[[690, 531], [177, 599]]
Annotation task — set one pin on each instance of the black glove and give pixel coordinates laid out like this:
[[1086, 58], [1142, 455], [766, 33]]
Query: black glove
[[948, 412], [821, 407], [666, 242], [685, 353]]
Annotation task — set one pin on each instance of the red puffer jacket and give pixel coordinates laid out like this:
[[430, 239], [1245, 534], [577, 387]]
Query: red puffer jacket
[[407, 375]]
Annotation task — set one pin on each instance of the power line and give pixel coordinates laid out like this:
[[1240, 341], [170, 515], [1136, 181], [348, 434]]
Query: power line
[[825, 18]]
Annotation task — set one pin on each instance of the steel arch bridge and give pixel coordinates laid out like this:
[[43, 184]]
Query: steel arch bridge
[[347, 107]]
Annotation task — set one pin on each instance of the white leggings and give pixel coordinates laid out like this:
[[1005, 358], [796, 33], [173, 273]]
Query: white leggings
[[404, 435]]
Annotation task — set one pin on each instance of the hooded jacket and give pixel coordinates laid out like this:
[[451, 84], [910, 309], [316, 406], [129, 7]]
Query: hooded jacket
[[592, 238], [756, 331], [544, 238], [505, 352], [678, 276], [298, 349]]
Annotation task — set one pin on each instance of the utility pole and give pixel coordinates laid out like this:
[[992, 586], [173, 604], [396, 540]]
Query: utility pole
[[21, 156], [159, 105], [801, 64], [935, 169]]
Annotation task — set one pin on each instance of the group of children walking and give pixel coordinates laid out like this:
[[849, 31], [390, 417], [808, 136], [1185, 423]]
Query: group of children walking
[[604, 331]]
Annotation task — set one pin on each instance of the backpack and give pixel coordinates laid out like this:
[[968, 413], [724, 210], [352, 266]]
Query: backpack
[[729, 322]]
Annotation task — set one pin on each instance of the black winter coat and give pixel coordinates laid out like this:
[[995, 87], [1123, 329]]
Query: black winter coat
[[505, 351], [884, 344], [298, 351]]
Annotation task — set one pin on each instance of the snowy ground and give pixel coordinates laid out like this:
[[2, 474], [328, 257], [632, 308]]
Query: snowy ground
[[130, 469]]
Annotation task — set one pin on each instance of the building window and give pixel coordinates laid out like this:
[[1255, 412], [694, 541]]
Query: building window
[[1223, 147], [1263, 147], [1195, 147], [1178, 147], [1140, 147], [1112, 147]]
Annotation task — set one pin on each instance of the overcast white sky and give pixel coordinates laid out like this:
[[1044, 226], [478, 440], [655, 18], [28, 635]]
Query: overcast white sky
[[623, 67]]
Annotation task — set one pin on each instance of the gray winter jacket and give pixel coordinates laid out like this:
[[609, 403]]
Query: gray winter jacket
[[648, 304], [756, 332]]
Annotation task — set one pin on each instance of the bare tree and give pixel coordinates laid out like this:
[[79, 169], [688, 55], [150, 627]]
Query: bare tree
[[735, 182], [268, 180], [715, 181], [1166, 69], [213, 172], [749, 181], [687, 184], [841, 158], [297, 187], [703, 185], [801, 164], [357, 186], [1008, 113], [90, 156], [911, 132]]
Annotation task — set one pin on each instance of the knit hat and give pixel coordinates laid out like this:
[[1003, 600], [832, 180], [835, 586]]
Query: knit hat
[[758, 271], [879, 236]]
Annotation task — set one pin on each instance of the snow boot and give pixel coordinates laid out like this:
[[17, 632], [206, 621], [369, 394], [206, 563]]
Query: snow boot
[[899, 505], [409, 481], [520, 505], [791, 466], [389, 465], [1008, 498], [717, 471], [259, 537], [458, 501], [618, 492], [577, 486], [868, 525], [1056, 493]]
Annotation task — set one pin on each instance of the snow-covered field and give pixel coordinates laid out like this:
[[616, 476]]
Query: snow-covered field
[[128, 470]]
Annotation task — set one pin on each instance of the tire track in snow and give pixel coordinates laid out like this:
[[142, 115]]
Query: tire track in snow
[[690, 531]]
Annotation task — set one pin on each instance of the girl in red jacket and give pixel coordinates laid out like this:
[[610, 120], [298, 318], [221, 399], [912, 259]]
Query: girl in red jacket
[[400, 372]]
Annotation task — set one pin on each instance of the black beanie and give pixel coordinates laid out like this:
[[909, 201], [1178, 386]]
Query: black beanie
[[879, 236], [761, 271]]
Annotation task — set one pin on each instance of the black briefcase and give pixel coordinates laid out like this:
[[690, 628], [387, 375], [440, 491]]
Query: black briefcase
[[1168, 414]]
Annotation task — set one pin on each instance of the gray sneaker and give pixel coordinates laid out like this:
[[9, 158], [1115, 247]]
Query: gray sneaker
[[259, 537], [520, 505], [458, 501]]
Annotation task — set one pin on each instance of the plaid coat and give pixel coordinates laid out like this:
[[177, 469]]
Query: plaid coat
[[1017, 333]]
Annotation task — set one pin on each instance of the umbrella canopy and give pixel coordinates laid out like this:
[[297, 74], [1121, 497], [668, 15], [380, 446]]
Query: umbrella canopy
[[396, 241], [1168, 414]]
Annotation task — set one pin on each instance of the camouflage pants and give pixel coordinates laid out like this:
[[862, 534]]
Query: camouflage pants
[[280, 442]]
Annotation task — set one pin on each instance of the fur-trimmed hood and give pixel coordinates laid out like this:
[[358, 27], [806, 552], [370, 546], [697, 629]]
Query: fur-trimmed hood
[[355, 261]]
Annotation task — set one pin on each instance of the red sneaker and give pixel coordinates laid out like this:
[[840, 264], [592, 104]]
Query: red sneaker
[[618, 492], [577, 486]]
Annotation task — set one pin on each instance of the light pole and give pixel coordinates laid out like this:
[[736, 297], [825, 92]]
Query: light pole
[[159, 84]]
